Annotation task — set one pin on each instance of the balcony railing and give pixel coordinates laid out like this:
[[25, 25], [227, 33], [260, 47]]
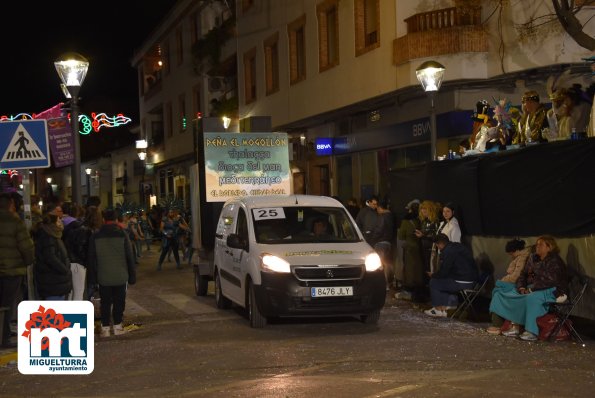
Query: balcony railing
[[446, 31], [445, 18]]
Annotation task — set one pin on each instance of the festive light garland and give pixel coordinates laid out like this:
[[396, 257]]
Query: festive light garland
[[89, 124]]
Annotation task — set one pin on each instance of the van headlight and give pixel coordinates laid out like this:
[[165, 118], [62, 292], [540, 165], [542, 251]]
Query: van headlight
[[275, 264], [373, 262]]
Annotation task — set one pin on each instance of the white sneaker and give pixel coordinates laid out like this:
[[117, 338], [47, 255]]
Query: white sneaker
[[528, 336], [433, 312], [119, 329], [105, 332], [512, 332]]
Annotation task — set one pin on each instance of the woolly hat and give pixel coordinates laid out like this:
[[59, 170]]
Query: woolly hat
[[412, 204]]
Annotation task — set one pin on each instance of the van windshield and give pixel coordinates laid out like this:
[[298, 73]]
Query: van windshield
[[302, 224]]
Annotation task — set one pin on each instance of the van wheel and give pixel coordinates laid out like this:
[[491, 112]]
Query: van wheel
[[201, 283], [371, 318], [256, 318], [221, 301]]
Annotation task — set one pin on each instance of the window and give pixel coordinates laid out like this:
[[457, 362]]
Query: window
[[297, 50], [182, 105], [196, 102], [328, 34], [162, 187], [156, 132], [179, 46], [141, 81], [168, 121], [250, 76], [165, 57], [271, 63], [367, 26], [400, 158], [242, 226], [246, 4], [195, 27]]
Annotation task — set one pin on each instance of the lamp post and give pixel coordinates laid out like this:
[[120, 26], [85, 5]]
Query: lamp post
[[430, 75], [50, 190], [88, 171], [72, 69], [141, 148]]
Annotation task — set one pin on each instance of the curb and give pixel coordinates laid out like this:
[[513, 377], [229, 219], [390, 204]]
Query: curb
[[8, 357]]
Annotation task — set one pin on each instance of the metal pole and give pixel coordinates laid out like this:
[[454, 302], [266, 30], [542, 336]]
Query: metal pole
[[88, 187], [76, 166], [27, 210], [27, 198], [433, 133]]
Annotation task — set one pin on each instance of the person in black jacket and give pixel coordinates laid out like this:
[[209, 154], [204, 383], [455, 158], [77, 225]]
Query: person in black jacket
[[110, 263], [382, 238], [457, 271], [52, 266], [76, 239]]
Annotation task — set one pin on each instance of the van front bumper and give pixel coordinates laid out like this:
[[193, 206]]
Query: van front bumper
[[284, 295]]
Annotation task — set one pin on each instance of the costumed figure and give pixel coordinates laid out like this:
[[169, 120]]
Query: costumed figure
[[480, 119], [560, 123], [533, 120], [484, 137], [507, 118]]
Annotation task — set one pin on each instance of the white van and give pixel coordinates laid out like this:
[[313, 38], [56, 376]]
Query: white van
[[295, 255]]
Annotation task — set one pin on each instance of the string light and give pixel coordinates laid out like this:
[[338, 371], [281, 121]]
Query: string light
[[89, 124]]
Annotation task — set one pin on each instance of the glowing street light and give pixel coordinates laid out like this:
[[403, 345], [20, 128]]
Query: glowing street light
[[72, 69], [430, 75]]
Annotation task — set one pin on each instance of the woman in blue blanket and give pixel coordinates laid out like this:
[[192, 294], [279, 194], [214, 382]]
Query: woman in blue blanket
[[543, 280]]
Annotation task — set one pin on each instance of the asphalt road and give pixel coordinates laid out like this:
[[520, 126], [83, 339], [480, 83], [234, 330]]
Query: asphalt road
[[185, 346]]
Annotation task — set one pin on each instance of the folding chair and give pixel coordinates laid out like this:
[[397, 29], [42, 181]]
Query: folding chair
[[469, 295], [563, 311]]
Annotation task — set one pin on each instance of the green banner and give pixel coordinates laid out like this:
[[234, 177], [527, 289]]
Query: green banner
[[246, 164]]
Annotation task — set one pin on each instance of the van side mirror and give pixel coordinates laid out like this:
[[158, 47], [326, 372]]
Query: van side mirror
[[235, 241]]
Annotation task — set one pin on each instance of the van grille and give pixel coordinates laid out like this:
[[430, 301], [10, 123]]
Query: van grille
[[315, 273]]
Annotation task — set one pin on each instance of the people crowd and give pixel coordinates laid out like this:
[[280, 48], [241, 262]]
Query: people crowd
[[71, 252], [430, 260]]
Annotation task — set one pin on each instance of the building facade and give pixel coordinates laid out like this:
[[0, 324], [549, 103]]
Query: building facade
[[339, 77], [342, 73], [185, 70]]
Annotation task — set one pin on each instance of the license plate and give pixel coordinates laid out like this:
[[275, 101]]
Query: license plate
[[331, 291]]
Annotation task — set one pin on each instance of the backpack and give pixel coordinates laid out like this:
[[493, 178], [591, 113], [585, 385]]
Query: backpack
[[76, 240]]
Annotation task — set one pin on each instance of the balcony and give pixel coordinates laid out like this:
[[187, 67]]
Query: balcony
[[446, 31]]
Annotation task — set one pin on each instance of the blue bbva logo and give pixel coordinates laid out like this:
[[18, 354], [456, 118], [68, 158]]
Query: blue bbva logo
[[56, 337]]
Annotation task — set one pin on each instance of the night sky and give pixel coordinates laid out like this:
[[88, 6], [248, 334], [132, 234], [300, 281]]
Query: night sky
[[36, 34]]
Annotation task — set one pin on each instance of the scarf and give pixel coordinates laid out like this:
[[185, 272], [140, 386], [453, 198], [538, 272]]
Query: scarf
[[54, 230]]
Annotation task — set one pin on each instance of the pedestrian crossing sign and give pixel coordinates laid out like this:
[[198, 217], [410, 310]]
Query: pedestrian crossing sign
[[24, 145]]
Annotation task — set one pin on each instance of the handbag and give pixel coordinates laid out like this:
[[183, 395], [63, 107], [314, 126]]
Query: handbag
[[548, 322]]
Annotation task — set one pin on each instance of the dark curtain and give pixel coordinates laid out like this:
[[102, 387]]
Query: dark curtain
[[542, 189]]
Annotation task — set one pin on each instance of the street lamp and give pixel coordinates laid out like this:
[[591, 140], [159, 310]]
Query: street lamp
[[141, 147], [72, 69], [50, 190], [226, 122], [88, 171], [430, 75]]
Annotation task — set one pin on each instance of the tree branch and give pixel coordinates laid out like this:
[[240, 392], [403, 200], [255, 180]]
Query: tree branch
[[571, 24]]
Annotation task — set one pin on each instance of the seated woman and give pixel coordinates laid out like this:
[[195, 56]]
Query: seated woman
[[519, 254], [543, 280]]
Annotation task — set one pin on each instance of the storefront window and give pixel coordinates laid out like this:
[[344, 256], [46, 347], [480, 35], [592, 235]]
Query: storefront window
[[345, 178], [401, 158], [368, 172]]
